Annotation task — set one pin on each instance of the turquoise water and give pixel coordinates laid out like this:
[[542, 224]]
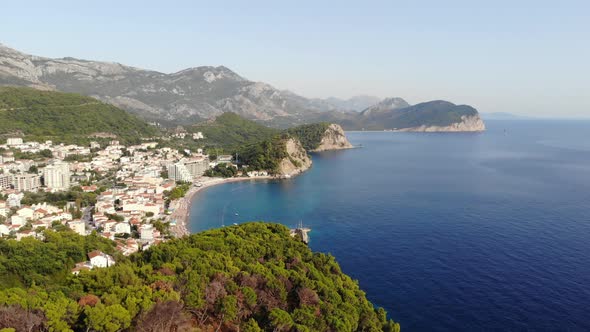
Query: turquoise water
[[448, 232]]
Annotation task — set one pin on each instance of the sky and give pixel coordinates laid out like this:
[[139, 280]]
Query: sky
[[523, 57]]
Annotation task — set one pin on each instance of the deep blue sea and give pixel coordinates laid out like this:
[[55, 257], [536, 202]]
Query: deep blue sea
[[448, 232]]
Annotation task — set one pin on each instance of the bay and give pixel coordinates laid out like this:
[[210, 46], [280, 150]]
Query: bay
[[447, 232]]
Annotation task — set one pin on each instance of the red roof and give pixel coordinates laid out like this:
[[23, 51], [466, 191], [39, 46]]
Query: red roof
[[94, 253]]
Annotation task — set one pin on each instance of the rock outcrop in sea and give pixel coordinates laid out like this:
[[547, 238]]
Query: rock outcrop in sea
[[333, 139]]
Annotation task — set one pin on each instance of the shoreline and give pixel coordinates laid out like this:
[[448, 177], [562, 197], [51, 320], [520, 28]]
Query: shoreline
[[182, 207]]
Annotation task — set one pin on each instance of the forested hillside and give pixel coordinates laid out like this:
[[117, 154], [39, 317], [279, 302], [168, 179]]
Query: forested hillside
[[65, 117], [230, 131], [252, 277]]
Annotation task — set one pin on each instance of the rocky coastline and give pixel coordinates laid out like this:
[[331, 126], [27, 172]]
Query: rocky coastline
[[468, 124]]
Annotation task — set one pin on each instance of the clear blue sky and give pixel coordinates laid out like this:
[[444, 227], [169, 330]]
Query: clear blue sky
[[524, 57]]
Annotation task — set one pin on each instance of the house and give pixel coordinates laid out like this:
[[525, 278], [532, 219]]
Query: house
[[29, 233], [122, 228], [4, 230], [40, 224], [26, 212], [109, 225], [224, 159], [88, 189], [17, 220], [39, 213], [4, 209], [14, 199], [100, 259], [77, 226], [108, 235], [82, 266], [257, 173], [147, 232]]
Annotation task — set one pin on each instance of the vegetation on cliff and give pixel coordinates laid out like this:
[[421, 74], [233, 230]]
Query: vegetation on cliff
[[309, 135], [230, 132], [259, 147], [265, 155], [65, 117], [252, 277]]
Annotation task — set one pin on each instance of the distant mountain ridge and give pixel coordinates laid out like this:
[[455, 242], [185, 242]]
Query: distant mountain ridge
[[355, 103], [186, 96], [386, 105], [201, 93]]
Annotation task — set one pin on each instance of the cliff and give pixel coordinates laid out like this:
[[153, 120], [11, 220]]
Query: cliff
[[321, 136], [471, 123], [333, 139], [297, 161]]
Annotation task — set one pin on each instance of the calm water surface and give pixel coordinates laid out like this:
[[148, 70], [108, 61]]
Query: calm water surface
[[448, 232]]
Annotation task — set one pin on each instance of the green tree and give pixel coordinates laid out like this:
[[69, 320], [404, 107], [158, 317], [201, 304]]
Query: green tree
[[280, 320], [251, 326], [107, 318]]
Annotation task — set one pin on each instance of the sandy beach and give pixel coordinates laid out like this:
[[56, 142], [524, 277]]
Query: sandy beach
[[182, 206]]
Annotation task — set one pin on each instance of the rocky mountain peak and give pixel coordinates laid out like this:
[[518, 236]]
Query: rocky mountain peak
[[387, 104]]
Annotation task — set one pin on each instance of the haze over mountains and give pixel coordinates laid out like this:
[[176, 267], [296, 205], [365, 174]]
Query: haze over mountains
[[199, 93]]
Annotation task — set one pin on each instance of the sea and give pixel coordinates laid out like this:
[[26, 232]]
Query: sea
[[446, 231]]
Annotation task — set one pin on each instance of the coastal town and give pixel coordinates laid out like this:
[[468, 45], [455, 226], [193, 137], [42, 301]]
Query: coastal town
[[136, 195]]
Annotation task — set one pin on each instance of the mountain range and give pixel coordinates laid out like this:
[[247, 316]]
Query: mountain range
[[201, 93]]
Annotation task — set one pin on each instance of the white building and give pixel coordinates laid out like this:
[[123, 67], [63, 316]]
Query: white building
[[14, 199], [29, 233], [5, 181], [4, 209], [257, 173], [8, 157], [14, 141], [17, 220], [147, 232], [179, 172], [78, 227], [100, 259], [26, 212], [4, 230], [57, 176], [26, 182], [122, 228], [224, 159], [197, 166]]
